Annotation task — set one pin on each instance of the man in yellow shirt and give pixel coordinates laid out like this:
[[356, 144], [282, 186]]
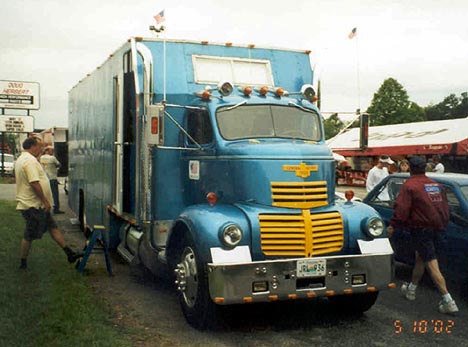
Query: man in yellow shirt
[[34, 199]]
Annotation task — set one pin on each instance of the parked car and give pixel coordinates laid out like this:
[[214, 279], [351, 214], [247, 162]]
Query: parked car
[[9, 164], [454, 246]]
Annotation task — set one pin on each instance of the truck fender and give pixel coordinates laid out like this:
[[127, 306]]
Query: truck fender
[[356, 216], [204, 224]]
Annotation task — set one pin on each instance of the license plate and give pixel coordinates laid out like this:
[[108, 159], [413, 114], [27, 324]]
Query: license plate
[[311, 267]]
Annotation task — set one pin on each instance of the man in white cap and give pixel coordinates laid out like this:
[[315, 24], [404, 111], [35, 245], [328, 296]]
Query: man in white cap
[[378, 173]]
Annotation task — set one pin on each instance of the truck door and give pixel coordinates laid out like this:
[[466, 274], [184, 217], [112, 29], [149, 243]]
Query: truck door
[[125, 138]]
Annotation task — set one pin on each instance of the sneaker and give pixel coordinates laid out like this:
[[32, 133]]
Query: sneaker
[[72, 256], [448, 307], [409, 294]]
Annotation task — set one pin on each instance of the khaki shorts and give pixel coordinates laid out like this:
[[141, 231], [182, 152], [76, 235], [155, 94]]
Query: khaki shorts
[[37, 223]]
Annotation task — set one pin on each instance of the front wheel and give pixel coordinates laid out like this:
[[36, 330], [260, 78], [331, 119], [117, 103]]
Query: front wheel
[[192, 284], [356, 303]]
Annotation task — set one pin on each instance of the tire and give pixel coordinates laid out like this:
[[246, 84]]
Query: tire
[[356, 303], [192, 284]]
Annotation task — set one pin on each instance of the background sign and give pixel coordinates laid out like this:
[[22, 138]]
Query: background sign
[[16, 124], [19, 95]]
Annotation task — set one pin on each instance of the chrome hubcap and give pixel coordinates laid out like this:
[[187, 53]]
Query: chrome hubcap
[[186, 276]]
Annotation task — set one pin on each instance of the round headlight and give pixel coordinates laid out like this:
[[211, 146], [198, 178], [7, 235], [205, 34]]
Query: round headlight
[[375, 227], [231, 235]]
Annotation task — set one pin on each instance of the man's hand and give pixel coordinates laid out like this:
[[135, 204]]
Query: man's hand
[[40, 194], [47, 207], [390, 231]]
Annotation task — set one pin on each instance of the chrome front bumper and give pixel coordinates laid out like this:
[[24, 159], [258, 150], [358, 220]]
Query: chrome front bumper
[[234, 283]]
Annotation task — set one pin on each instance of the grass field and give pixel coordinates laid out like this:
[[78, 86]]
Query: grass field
[[50, 304]]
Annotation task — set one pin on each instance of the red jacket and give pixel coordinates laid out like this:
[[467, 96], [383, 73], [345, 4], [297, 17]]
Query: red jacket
[[421, 203]]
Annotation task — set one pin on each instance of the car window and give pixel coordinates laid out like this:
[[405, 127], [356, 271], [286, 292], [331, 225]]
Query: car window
[[455, 209], [464, 190], [388, 193]]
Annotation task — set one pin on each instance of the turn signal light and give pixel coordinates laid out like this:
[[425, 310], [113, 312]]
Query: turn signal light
[[211, 198], [349, 195]]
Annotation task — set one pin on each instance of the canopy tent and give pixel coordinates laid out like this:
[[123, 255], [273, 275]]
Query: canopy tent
[[434, 137]]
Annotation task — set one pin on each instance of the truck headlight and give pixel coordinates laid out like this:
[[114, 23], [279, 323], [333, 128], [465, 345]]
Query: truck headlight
[[375, 226], [231, 235]]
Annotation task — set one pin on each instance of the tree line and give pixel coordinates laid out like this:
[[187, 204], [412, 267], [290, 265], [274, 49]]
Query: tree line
[[391, 105]]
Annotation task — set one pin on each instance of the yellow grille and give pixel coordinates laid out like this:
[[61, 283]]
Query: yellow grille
[[299, 194], [302, 234]]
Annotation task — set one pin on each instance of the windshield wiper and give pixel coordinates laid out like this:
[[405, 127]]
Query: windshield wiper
[[233, 107]]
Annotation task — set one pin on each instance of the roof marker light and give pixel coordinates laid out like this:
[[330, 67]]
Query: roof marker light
[[263, 90], [279, 92], [205, 94], [246, 90]]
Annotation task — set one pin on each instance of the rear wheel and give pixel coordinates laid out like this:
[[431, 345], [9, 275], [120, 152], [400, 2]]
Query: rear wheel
[[192, 284], [356, 303]]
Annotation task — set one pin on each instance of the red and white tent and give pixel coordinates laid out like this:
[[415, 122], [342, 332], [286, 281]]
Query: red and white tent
[[448, 137]]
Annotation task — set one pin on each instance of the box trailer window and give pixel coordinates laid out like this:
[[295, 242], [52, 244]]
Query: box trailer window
[[254, 121], [240, 71]]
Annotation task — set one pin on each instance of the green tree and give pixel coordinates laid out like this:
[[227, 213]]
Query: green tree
[[450, 108], [462, 109], [332, 125], [391, 105]]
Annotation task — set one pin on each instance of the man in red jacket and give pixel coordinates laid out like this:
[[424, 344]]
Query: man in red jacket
[[421, 207]]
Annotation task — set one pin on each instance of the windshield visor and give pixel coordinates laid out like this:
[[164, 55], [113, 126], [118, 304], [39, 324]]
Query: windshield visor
[[268, 121]]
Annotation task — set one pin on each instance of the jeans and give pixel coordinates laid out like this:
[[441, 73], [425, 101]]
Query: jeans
[[55, 194]]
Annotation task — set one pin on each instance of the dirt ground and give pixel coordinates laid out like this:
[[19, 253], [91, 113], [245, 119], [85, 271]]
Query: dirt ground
[[125, 292]]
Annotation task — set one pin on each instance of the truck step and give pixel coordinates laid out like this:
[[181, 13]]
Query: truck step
[[124, 252]]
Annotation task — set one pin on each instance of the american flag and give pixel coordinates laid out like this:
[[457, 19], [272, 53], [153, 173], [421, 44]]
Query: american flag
[[159, 18], [352, 33]]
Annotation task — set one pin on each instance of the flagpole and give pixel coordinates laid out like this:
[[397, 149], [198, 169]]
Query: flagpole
[[358, 78], [164, 66]]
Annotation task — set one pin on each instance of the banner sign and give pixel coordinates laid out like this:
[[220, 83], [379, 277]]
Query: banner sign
[[19, 95], [16, 124]]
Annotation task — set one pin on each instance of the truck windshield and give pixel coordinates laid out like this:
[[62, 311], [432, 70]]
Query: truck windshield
[[269, 121]]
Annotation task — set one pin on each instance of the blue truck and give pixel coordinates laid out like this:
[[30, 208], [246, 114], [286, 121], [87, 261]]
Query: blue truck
[[209, 161]]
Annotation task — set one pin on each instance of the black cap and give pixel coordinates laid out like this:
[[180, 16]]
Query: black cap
[[417, 162]]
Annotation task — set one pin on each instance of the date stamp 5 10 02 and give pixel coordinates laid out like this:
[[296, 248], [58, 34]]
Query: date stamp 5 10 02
[[422, 326]]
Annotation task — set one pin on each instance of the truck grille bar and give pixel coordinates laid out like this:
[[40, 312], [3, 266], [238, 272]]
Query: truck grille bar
[[299, 194], [302, 234]]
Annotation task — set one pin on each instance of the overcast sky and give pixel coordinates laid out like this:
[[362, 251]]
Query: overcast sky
[[421, 43]]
